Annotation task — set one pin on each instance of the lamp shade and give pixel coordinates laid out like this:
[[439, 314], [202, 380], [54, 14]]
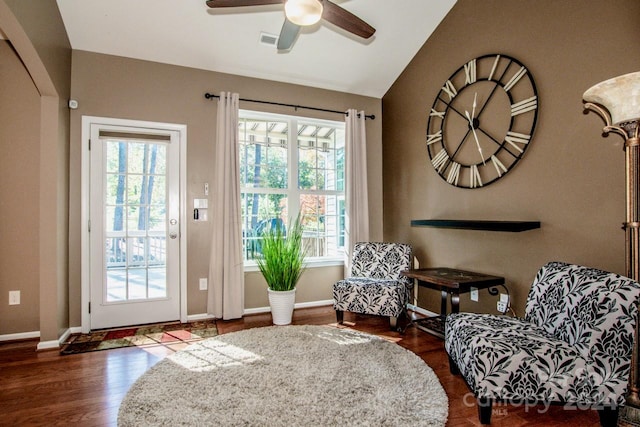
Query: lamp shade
[[620, 95], [303, 12]]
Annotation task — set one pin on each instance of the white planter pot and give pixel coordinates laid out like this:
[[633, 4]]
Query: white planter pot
[[281, 303]]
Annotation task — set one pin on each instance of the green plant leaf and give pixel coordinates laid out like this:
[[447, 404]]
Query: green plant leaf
[[282, 259]]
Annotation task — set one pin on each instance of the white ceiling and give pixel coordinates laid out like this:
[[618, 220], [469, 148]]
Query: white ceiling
[[188, 33]]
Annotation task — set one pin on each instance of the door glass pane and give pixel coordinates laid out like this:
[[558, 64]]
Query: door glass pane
[[135, 198], [137, 281], [157, 283], [116, 284]]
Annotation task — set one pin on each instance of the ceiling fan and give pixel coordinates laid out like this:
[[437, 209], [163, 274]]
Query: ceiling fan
[[302, 13]]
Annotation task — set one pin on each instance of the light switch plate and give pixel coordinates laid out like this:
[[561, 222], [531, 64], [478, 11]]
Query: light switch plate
[[200, 203], [14, 297], [203, 283]]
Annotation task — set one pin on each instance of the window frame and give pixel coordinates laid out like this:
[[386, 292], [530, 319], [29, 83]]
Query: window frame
[[293, 192]]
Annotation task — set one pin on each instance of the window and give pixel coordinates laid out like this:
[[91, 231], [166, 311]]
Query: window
[[291, 165]]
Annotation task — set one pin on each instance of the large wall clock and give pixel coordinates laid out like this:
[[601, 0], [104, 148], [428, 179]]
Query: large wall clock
[[482, 121]]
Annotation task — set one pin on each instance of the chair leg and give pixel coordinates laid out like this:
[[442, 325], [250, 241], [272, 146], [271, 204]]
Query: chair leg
[[393, 323], [608, 416], [453, 367], [484, 410], [340, 316]]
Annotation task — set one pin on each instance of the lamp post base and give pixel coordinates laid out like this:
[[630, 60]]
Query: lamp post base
[[629, 416]]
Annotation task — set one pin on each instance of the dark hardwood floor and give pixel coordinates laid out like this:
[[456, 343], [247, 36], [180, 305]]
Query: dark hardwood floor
[[45, 388]]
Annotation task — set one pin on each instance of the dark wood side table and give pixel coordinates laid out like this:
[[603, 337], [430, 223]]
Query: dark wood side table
[[450, 282]]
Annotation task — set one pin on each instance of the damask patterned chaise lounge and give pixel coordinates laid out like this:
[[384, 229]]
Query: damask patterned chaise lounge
[[573, 347], [375, 285]]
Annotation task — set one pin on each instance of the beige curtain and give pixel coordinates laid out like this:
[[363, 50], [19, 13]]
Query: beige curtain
[[225, 298], [356, 194]]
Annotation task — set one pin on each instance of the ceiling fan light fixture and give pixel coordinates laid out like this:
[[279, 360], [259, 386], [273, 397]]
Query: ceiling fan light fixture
[[303, 12]]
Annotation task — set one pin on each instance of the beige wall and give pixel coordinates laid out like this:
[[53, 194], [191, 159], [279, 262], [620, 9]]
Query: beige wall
[[19, 184], [36, 32], [571, 179], [118, 87], [42, 23]]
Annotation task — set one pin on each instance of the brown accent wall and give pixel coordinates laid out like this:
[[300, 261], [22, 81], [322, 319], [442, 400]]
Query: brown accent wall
[[571, 179], [19, 194], [111, 86]]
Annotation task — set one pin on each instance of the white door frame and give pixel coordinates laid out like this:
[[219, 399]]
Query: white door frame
[[87, 121]]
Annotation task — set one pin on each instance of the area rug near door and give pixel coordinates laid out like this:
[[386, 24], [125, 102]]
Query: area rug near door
[[142, 336], [288, 376]]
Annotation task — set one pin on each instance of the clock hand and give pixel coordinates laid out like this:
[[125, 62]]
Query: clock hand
[[475, 136], [473, 110]]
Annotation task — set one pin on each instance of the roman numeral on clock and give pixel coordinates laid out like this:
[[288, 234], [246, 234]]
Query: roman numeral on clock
[[435, 113], [493, 69], [500, 168], [450, 89], [440, 160], [514, 138], [470, 72], [515, 79], [434, 137], [454, 173], [474, 179], [524, 106]]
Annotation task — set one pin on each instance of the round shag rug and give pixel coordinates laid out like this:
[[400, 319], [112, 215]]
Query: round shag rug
[[288, 376]]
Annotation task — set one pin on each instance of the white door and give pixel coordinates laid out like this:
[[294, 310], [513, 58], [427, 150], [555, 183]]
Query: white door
[[134, 237]]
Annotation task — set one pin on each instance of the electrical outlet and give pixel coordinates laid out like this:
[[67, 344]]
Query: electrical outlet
[[474, 294], [501, 307], [504, 298], [203, 283], [14, 297]]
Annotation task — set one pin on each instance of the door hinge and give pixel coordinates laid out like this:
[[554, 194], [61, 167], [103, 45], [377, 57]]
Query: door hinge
[[89, 307], [89, 145], [89, 225]]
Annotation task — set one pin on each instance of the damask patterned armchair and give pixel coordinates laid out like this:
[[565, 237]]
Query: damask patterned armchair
[[573, 347], [375, 285]]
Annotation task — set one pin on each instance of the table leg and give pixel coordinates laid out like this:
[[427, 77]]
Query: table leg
[[455, 301], [443, 305]]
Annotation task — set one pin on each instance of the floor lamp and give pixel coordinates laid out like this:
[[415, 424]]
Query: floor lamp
[[617, 100]]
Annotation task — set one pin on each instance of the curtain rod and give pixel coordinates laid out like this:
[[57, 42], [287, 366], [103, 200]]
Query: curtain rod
[[211, 96]]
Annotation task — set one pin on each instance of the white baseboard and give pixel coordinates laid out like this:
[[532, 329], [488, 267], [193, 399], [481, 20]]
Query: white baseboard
[[197, 317], [48, 345], [54, 344], [20, 336], [309, 304], [42, 345]]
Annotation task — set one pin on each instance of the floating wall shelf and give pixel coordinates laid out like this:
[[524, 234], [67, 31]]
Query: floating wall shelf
[[510, 226]]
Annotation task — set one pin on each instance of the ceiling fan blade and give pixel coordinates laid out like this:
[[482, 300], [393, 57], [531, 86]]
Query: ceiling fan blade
[[238, 3], [288, 35], [346, 20]]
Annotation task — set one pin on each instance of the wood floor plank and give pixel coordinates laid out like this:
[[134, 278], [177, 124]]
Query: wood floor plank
[[48, 389]]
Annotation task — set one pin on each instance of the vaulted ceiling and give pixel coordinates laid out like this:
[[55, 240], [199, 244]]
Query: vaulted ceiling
[[190, 34]]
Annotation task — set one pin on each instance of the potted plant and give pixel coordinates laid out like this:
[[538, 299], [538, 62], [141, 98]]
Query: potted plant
[[282, 263]]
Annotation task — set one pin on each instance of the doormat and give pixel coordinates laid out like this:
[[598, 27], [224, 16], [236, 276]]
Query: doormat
[[140, 336]]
